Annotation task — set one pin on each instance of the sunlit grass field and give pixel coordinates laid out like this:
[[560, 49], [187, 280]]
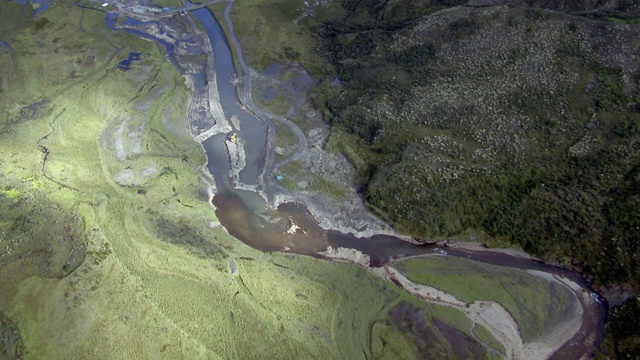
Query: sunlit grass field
[[108, 245]]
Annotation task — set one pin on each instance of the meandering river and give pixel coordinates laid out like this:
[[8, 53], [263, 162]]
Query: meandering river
[[290, 227]]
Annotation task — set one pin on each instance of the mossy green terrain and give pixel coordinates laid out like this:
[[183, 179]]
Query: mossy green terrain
[[109, 247], [280, 31]]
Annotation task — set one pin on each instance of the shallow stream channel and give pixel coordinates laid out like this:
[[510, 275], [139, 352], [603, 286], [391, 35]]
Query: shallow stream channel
[[240, 165]]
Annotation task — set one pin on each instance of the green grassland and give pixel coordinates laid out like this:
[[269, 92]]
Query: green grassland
[[270, 34], [108, 245], [535, 304]]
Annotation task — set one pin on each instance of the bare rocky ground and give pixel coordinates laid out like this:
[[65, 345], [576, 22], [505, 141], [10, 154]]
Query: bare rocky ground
[[192, 53], [323, 180], [193, 56]]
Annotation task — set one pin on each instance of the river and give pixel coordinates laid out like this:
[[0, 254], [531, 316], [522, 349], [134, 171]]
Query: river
[[252, 131], [291, 227]]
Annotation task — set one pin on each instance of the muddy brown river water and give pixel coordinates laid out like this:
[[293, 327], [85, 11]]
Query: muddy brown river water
[[271, 230], [267, 231]]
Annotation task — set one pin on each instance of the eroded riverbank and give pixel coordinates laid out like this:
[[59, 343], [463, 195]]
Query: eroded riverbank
[[293, 227]]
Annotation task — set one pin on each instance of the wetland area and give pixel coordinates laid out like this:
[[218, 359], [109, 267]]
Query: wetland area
[[155, 174]]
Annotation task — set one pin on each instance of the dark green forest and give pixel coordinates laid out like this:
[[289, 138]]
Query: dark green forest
[[515, 120]]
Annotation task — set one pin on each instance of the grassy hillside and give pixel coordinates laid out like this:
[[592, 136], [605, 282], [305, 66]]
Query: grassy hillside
[[509, 122], [108, 245]]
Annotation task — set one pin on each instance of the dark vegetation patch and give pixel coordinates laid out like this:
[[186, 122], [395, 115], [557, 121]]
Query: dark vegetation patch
[[514, 121], [411, 320], [30, 112], [182, 234], [623, 9], [11, 344], [464, 346], [39, 237], [42, 23], [622, 332]]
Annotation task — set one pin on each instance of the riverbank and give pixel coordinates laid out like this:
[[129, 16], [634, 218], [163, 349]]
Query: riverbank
[[94, 268], [329, 219], [569, 334], [489, 314], [476, 246], [342, 219]]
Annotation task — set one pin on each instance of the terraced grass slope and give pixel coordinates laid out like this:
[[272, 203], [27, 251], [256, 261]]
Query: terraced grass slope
[[109, 247]]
